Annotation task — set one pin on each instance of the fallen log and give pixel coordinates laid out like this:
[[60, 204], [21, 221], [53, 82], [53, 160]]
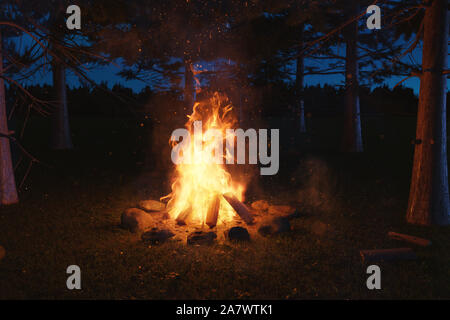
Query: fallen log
[[183, 216], [404, 237], [369, 256], [213, 212], [240, 208]]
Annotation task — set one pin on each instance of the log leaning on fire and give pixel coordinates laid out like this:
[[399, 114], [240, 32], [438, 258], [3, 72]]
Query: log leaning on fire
[[183, 216], [404, 237], [369, 256], [213, 212], [239, 207]]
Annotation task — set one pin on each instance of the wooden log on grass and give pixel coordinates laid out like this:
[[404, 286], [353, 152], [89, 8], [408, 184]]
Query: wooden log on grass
[[240, 208], [213, 212], [411, 239], [369, 256]]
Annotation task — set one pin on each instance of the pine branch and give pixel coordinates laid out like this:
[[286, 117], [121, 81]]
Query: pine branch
[[33, 98], [413, 75]]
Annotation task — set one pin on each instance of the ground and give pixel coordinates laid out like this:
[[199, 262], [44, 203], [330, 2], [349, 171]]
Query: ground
[[70, 214]]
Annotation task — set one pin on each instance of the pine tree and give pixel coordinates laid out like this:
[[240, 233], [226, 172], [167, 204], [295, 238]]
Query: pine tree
[[429, 194], [8, 191]]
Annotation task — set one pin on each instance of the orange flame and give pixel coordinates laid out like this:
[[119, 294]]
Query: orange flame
[[196, 185]]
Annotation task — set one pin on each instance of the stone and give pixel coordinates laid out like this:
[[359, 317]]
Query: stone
[[275, 226], [281, 210], [2, 253], [152, 205], [201, 238], [155, 236], [136, 220], [319, 228], [237, 234], [261, 205]]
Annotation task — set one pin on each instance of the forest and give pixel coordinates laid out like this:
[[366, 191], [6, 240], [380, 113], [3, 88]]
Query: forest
[[93, 91]]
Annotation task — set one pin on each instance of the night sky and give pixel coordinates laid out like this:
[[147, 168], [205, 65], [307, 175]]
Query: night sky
[[109, 75]]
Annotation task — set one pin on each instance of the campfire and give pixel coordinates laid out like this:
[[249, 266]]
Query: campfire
[[203, 191], [206, 201]]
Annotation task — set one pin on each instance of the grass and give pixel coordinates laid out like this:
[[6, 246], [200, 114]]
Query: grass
[[70, 214]]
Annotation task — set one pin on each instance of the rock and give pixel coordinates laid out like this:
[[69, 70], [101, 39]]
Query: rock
[[319, 228], [152, 205], [157, 236], [262, 205], [275, 226], [136, 220], [2, 253], [201, 238], [237, 234], [281, 210]]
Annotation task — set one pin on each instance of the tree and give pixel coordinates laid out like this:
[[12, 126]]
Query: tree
[[71, 50], [308, 14], [352, 137], [429, 194], [339, 22], [21, 64], [46, 19], [61, 137], [8, 191]]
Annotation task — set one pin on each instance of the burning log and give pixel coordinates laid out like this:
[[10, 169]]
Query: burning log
[[183, 216], [213, 212], [369, 256], [404, 237], [240, 208]]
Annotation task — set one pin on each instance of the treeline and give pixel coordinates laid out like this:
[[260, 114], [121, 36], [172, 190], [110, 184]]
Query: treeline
[[94, 101], [327, 100], [278, 100]]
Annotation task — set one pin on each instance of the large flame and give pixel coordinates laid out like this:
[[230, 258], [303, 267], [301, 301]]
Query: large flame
[[199, 184]]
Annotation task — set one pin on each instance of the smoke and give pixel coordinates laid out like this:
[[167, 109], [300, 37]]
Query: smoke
[[318, 185]]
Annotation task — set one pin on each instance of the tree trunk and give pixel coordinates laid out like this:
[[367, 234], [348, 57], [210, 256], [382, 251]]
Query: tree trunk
[[299, 85], [8, 191], [429, 196], [352, 138], [61, 139], [188, 83]]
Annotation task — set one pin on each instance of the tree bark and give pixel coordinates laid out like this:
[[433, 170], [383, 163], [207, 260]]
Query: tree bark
[[8, 190], [61, 139], [299, 85], [352, 138], [429, 196]]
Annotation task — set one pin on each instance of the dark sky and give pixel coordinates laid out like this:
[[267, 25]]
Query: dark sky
[[109, 75]]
